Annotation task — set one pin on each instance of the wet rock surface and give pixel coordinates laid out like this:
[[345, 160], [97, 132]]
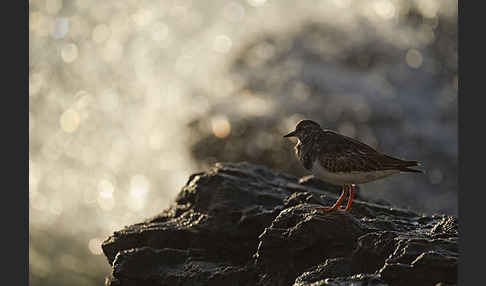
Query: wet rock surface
[[243, 224]]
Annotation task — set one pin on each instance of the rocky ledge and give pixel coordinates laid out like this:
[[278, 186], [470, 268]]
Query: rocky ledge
[[243, 224]]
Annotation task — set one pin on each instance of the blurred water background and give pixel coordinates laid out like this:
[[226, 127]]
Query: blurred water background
[[128, 98]]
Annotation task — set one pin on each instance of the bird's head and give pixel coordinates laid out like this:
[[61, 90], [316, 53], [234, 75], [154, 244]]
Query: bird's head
[[304, 128]]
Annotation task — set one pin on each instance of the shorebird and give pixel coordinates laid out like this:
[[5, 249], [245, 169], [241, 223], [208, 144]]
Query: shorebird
[[342, 160]]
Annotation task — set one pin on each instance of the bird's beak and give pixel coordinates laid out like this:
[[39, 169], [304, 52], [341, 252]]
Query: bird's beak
[[291, 134]]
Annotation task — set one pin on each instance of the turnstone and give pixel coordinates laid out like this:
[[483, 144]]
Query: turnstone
[[342, 160]]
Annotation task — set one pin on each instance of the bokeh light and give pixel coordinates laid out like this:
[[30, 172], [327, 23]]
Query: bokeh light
[[94, 246], [61, 28], [222, 44], [385, 9], [69, 121], [220, 126], [101, 33], [414, 58], [139, 186], [69, 53], [106, 189]]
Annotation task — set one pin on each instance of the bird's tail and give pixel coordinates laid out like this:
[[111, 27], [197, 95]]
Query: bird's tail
[[407, 164]]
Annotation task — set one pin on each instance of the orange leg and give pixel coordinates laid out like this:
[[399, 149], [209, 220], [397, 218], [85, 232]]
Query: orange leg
[[350, 199], [338, 202]]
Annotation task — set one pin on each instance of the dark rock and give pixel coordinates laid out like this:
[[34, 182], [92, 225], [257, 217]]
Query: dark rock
[[243, 224], [373, 248], [332, 268], [148, 266], [300, 237], [355, 280], [422, 261]]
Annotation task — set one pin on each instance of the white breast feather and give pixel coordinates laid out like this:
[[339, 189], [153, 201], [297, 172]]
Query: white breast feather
[[341, 178]]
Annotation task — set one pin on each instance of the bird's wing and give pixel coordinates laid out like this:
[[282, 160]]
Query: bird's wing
[[339, 153]]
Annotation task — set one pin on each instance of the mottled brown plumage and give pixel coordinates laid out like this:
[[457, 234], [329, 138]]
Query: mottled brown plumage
[[342, 160], [340, 153]]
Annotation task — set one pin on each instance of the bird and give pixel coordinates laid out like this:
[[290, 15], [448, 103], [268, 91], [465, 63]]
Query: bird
[[342, 160]]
